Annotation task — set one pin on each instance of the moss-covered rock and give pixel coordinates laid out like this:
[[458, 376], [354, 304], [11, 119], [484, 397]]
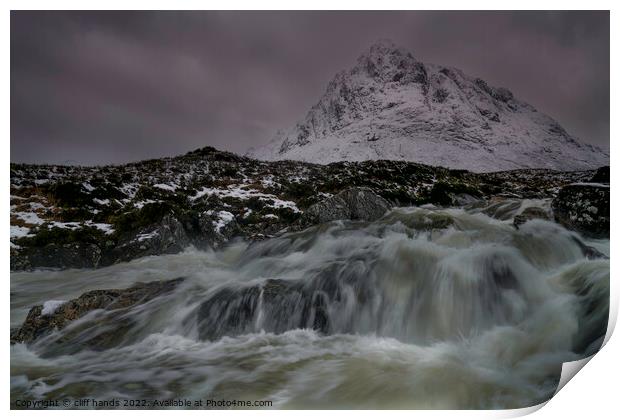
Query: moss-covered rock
[[584, 208], [353, 204], [444, 193]]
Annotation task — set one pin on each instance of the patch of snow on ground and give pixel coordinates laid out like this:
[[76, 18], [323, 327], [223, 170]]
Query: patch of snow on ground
[[591, 184], [281, 203], [129, 189], [66, 225], [19, 231], [34, 205], [145, 236], [268, 181], [224, 218], [173, 187], [103, 202], [105, 227], [141, 204], [230, 192], [29, 217], [50, 306], [245, 194], [88, 187]]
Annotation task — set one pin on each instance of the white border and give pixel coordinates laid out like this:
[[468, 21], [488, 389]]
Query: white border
[[593, 394]]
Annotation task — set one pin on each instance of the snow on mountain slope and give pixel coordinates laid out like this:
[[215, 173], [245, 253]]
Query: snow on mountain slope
[[391, 106]]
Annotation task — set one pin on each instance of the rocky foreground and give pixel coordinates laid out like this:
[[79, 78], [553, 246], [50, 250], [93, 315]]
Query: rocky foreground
[[86, 217]]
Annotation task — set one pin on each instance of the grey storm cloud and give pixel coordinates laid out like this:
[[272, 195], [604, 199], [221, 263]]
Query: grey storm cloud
[[111, 87]]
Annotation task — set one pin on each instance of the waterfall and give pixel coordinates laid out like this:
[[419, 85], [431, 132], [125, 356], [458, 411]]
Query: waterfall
[[424, 308]]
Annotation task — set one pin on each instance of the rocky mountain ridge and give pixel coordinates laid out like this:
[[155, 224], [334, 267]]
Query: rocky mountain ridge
[[72, 216]]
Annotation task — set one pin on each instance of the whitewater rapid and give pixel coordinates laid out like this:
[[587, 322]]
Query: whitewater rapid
[[425, 308]]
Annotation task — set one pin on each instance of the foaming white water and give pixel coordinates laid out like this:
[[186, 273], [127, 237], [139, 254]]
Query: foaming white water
[[422, 309]]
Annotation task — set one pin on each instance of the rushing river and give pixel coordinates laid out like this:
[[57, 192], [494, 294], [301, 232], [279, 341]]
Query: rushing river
[[425, 308]]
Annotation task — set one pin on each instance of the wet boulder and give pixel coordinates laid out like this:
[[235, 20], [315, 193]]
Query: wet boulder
[[421, 219], [499, 208], [453, 193], [589, 252], [530, 213], [42, 321], [584, 208], [275, 306], [351, 204]]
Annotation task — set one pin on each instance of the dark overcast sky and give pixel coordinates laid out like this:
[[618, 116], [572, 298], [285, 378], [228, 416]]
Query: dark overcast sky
[[103, 87]]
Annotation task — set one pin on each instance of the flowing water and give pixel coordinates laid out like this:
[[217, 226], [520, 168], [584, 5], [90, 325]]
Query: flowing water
[[425, 308]]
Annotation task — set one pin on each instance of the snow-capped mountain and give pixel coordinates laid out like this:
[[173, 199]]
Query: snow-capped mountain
[[392, 106]]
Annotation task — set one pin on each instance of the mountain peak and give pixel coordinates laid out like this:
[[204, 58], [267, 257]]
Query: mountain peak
[[384, 60], [391, 106], [384, 47]]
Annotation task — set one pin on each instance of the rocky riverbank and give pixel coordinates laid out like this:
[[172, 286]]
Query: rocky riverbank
[[85, 217]]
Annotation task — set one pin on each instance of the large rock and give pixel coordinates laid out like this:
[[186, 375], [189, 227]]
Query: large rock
[[353, 204], [530, 213], [215, 228], [169, 236], [284, 305], [421, 220], [584, 208], [42, 321], [601, 175], [327, 303], [75, 255]]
